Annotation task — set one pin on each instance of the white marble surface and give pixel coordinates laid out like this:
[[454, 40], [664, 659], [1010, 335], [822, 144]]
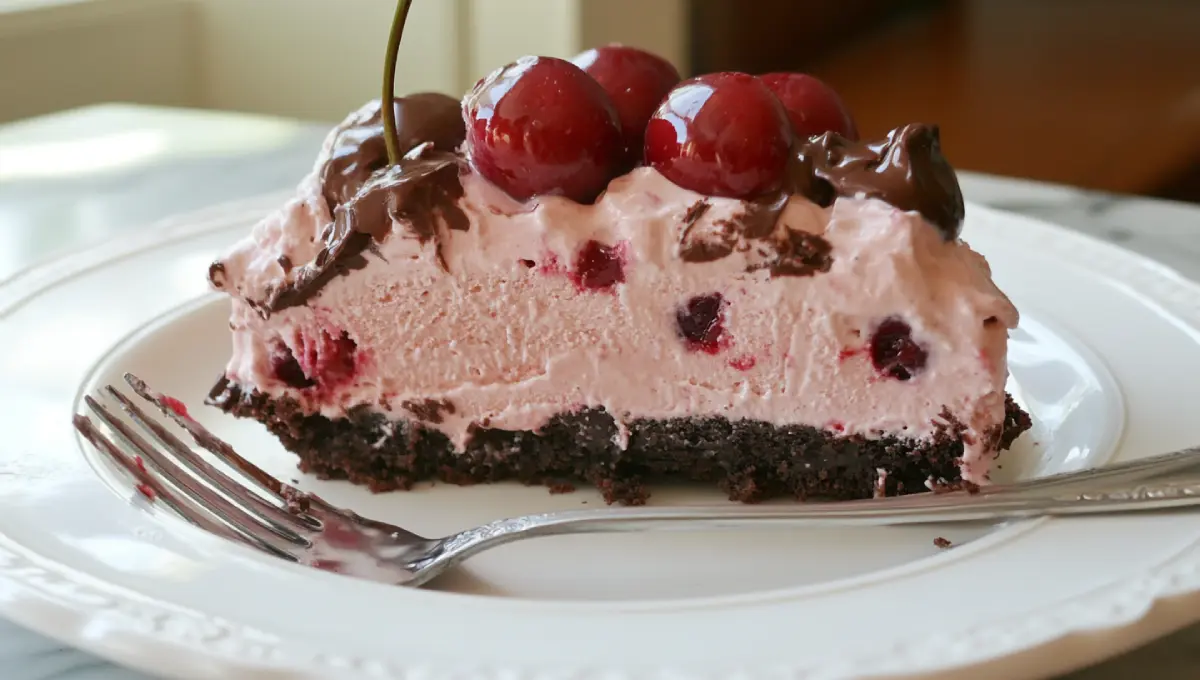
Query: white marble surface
[[135, 165]]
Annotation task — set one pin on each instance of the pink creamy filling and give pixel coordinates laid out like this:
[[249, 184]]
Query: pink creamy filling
[[515, 333]]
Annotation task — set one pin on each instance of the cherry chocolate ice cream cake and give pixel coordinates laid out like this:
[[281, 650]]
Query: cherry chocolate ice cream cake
[[590, 272]]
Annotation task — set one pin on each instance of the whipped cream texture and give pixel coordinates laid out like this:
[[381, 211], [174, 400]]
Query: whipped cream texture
[[513, 312]]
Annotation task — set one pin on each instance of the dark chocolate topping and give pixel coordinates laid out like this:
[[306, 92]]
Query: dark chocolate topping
[[709, 242], [365, 193], [760, 218], [422, 190], [906, 170], [800, 253], [359, 150], [695, 211], [785, 251], [702, 242]]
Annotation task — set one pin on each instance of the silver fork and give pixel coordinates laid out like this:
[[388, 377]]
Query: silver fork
[[274, 517]]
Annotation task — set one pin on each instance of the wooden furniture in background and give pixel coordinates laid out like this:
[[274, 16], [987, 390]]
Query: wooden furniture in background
[[758, 36], [1102, 94]]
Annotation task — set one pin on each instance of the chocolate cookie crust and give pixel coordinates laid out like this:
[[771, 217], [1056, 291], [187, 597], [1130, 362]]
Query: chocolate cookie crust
[[748, 460]]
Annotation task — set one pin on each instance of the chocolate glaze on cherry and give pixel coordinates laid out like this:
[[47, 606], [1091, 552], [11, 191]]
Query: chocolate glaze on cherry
[[812, 106], [358, 150], [893, 351], [541, 126], [722, 134], [636, 81], [701, 323], [527, 139], [598, 267], [907, 170]]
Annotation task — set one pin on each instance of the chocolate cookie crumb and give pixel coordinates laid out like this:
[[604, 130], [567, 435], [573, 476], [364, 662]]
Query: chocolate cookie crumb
[[749, 460], [429, 410]]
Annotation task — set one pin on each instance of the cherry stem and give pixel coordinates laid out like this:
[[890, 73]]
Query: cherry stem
[[390, 136]]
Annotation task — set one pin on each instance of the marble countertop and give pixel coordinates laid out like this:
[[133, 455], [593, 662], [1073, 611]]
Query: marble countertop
[[135, 166]]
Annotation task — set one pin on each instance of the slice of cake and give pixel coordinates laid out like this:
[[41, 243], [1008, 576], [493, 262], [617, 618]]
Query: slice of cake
[[587, 282]]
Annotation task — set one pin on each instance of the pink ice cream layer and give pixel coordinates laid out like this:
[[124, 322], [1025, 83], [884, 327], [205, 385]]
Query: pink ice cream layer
[[505, 335]]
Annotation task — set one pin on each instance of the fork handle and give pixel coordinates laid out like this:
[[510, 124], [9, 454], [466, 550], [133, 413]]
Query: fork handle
[[1110, 476], [910, 510], [927, 509]]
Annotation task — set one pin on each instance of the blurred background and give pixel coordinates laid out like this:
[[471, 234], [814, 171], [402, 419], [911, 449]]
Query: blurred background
[[1103, 94]]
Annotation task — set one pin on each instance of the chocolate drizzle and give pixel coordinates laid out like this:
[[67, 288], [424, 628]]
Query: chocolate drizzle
[[906, 170], [421, 191], [706, 242], [777, 247], [365, 194], [429, 410], [359, 149], [800, 253]]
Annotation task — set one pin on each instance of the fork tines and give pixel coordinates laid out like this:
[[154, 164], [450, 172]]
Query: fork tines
[[255, 508]]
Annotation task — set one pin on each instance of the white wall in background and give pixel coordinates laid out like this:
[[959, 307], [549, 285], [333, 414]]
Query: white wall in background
[[318, 59], [502, 30], [69, 53], [661, 26], [311, 59]]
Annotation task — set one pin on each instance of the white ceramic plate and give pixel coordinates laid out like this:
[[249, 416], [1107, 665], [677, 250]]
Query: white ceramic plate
[[1106, 360]]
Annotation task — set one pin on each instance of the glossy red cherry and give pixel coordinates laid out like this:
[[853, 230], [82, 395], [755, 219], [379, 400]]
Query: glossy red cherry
[[813, 107], [541, 126], [722, 134], [636, 81]]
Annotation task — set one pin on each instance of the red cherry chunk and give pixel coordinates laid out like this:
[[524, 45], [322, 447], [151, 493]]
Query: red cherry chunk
[[541, 126], [598, 267], [701, 323], [894, 353], [177, 406], [813, 107], [286, 368], [636, 81], [326, 360], [722, 134], [329, 359]]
